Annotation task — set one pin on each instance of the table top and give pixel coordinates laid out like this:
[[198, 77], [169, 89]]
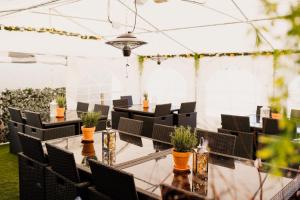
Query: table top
[[126, 150], [228, 178], [138, 108]]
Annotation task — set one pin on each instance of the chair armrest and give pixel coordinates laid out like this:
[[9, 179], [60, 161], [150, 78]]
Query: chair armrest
[[50, 133]]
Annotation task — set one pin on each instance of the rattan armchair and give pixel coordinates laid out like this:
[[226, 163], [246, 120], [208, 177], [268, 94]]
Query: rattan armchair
[[218, 142], [15, 125], [62, 177], [129, 99], [130, 126], [112, 183], [82, 107], [35, 128], [32, 165], [161, 116], [245, 143]]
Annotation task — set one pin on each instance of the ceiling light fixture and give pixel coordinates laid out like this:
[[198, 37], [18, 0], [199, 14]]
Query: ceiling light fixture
[[127, 41]]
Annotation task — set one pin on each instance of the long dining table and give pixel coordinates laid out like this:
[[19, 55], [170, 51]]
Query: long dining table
[[151, 163]]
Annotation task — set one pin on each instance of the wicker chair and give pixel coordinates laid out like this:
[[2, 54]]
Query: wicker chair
[[161, 116], [129, 98], [245, 143], [270, 126], [169, 192], [187, 120], [235, 123], [130, 126], [218, 142], [62, 177], [82, 107], [162, 132], [15, 125], [103, 109], [187, 107], [295, 114], [120, 103], [111, 183], [36, 129], [32, 165]]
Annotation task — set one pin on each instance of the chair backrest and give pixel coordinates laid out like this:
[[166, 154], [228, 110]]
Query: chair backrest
[[295, 114], [32, 147], [130, 126], [271, 126], [235, 123], [162, 110], [120, 103], [244, 145], [187, 107], [218, 142], [112, 182], [63, 162], [169, 192], [15, 114], [162, 132], [82, 107], [129, 98], [101, 108], [33, 119]]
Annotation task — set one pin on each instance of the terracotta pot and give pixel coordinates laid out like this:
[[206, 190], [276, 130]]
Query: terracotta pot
[[276, 116], [60, 112], [146, 104], [181, 160], [88, 133]]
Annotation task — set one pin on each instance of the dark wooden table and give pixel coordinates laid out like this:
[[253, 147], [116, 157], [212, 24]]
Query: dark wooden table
[[228, 178], [139, 109]]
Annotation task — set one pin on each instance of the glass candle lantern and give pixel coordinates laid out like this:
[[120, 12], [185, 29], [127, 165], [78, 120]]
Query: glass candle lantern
[[200, 160], [109, 147]]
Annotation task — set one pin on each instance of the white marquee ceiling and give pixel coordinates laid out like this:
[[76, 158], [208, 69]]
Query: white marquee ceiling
[[155, 24]]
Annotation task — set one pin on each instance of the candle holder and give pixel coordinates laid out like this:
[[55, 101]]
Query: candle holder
[[200, 160], [109, 147], [199, 186]]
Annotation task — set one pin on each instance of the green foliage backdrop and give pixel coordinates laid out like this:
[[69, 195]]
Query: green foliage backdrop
[[26, 99]]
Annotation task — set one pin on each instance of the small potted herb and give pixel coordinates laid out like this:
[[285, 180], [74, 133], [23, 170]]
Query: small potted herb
[[89, 123], [183, 141], [146, 101], [61, 103]]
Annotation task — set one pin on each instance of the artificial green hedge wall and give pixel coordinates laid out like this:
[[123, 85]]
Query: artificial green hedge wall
[[26, 99]]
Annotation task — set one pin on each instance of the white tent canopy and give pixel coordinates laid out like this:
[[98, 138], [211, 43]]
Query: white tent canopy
[[173, 27]]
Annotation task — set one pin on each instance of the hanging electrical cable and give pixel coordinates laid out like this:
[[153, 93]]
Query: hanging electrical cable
[[127, 41]]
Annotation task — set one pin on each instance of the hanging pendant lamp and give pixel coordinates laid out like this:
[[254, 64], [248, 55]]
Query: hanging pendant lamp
[[127, 41]]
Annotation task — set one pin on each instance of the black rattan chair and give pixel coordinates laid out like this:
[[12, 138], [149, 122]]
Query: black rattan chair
[[120, 103], [161, 116], [295, 114], [218, 142], [130, 126], [35, 128], [103, 109], [162, 132], [62, 177], [271, 126], [15, 125], [187, 120], [235, 123], [115, 118], [82, 107], [32, 165], [244, 145], [111, 183], [169, 192], [187, 107], [129, 99]]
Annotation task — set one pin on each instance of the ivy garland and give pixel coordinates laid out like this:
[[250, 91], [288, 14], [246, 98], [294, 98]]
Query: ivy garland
[[48, 30]]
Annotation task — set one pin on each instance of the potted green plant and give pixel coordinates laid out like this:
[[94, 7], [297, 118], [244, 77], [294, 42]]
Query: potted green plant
[[183, 141], [146, 101], [89, 123], [61, 103]]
